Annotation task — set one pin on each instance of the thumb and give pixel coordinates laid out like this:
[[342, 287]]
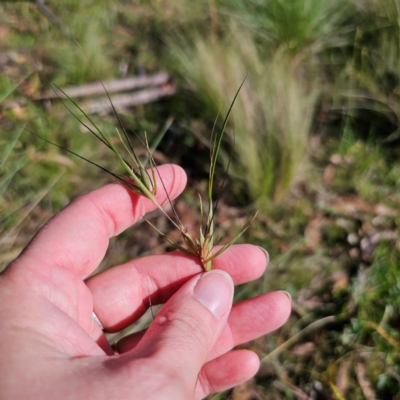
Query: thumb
[[183, 333]]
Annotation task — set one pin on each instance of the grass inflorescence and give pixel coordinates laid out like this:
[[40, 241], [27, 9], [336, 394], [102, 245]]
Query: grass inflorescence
[[144, 183]]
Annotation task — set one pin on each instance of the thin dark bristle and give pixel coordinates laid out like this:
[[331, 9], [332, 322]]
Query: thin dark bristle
[[118, 117], [75, 116], [142, 142], [77, 155], [214, 136], [166, 192], [79, 120], [225, 177], [111, 103], [103, 141], [126, 136], [146, 146], [216, 146]]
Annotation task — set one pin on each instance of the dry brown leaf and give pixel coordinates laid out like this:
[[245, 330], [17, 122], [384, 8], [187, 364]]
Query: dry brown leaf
[[303, 349], [340, 160], [59, 159], [381, 209], [354, 204], [341, 280], [329, 175], [245, 391], [312, 233], [19, 111], [355, 252], [31, 86], [4, 31], [364, 382], [342, 379]]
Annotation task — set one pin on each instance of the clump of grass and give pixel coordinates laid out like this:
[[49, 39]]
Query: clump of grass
[[368, 92], [273, 116], [302, 27], [285, 47]]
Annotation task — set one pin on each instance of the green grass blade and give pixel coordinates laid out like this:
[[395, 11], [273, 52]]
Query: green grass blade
[[218, 142], [233, 241], [11, 89], [214, 156], [77, 155], [5, 180], [102, 137], [9, 146], [161, 134]]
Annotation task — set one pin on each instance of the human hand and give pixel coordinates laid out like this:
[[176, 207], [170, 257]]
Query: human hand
[[52, 348]]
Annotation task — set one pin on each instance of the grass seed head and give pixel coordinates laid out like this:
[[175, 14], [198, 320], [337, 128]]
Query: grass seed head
[[143, 181]]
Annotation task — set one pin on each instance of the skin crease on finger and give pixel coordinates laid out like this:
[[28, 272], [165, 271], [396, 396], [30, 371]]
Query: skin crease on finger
[[119, 305]]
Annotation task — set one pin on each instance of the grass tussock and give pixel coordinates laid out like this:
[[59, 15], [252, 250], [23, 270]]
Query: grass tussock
[[273, 116]]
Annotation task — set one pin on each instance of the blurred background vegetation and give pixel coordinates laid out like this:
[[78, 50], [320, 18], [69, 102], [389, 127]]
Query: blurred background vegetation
[[316, 151]]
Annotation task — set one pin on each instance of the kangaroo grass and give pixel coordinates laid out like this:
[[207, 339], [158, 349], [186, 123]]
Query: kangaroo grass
[[143, 181]]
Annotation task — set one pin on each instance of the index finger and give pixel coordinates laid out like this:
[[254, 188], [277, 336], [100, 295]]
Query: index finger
[[77, 238]]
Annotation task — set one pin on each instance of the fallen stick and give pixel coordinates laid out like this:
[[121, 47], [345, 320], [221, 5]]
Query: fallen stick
[[102, 104], [116, 85], [123, 101]]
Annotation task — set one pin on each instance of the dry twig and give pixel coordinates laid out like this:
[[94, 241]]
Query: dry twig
[[364, 383], [123, 101], [113, 86]]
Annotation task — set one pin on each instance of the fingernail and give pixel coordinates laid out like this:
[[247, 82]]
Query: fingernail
[[265, 252], [215, 291], [287, 294]]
